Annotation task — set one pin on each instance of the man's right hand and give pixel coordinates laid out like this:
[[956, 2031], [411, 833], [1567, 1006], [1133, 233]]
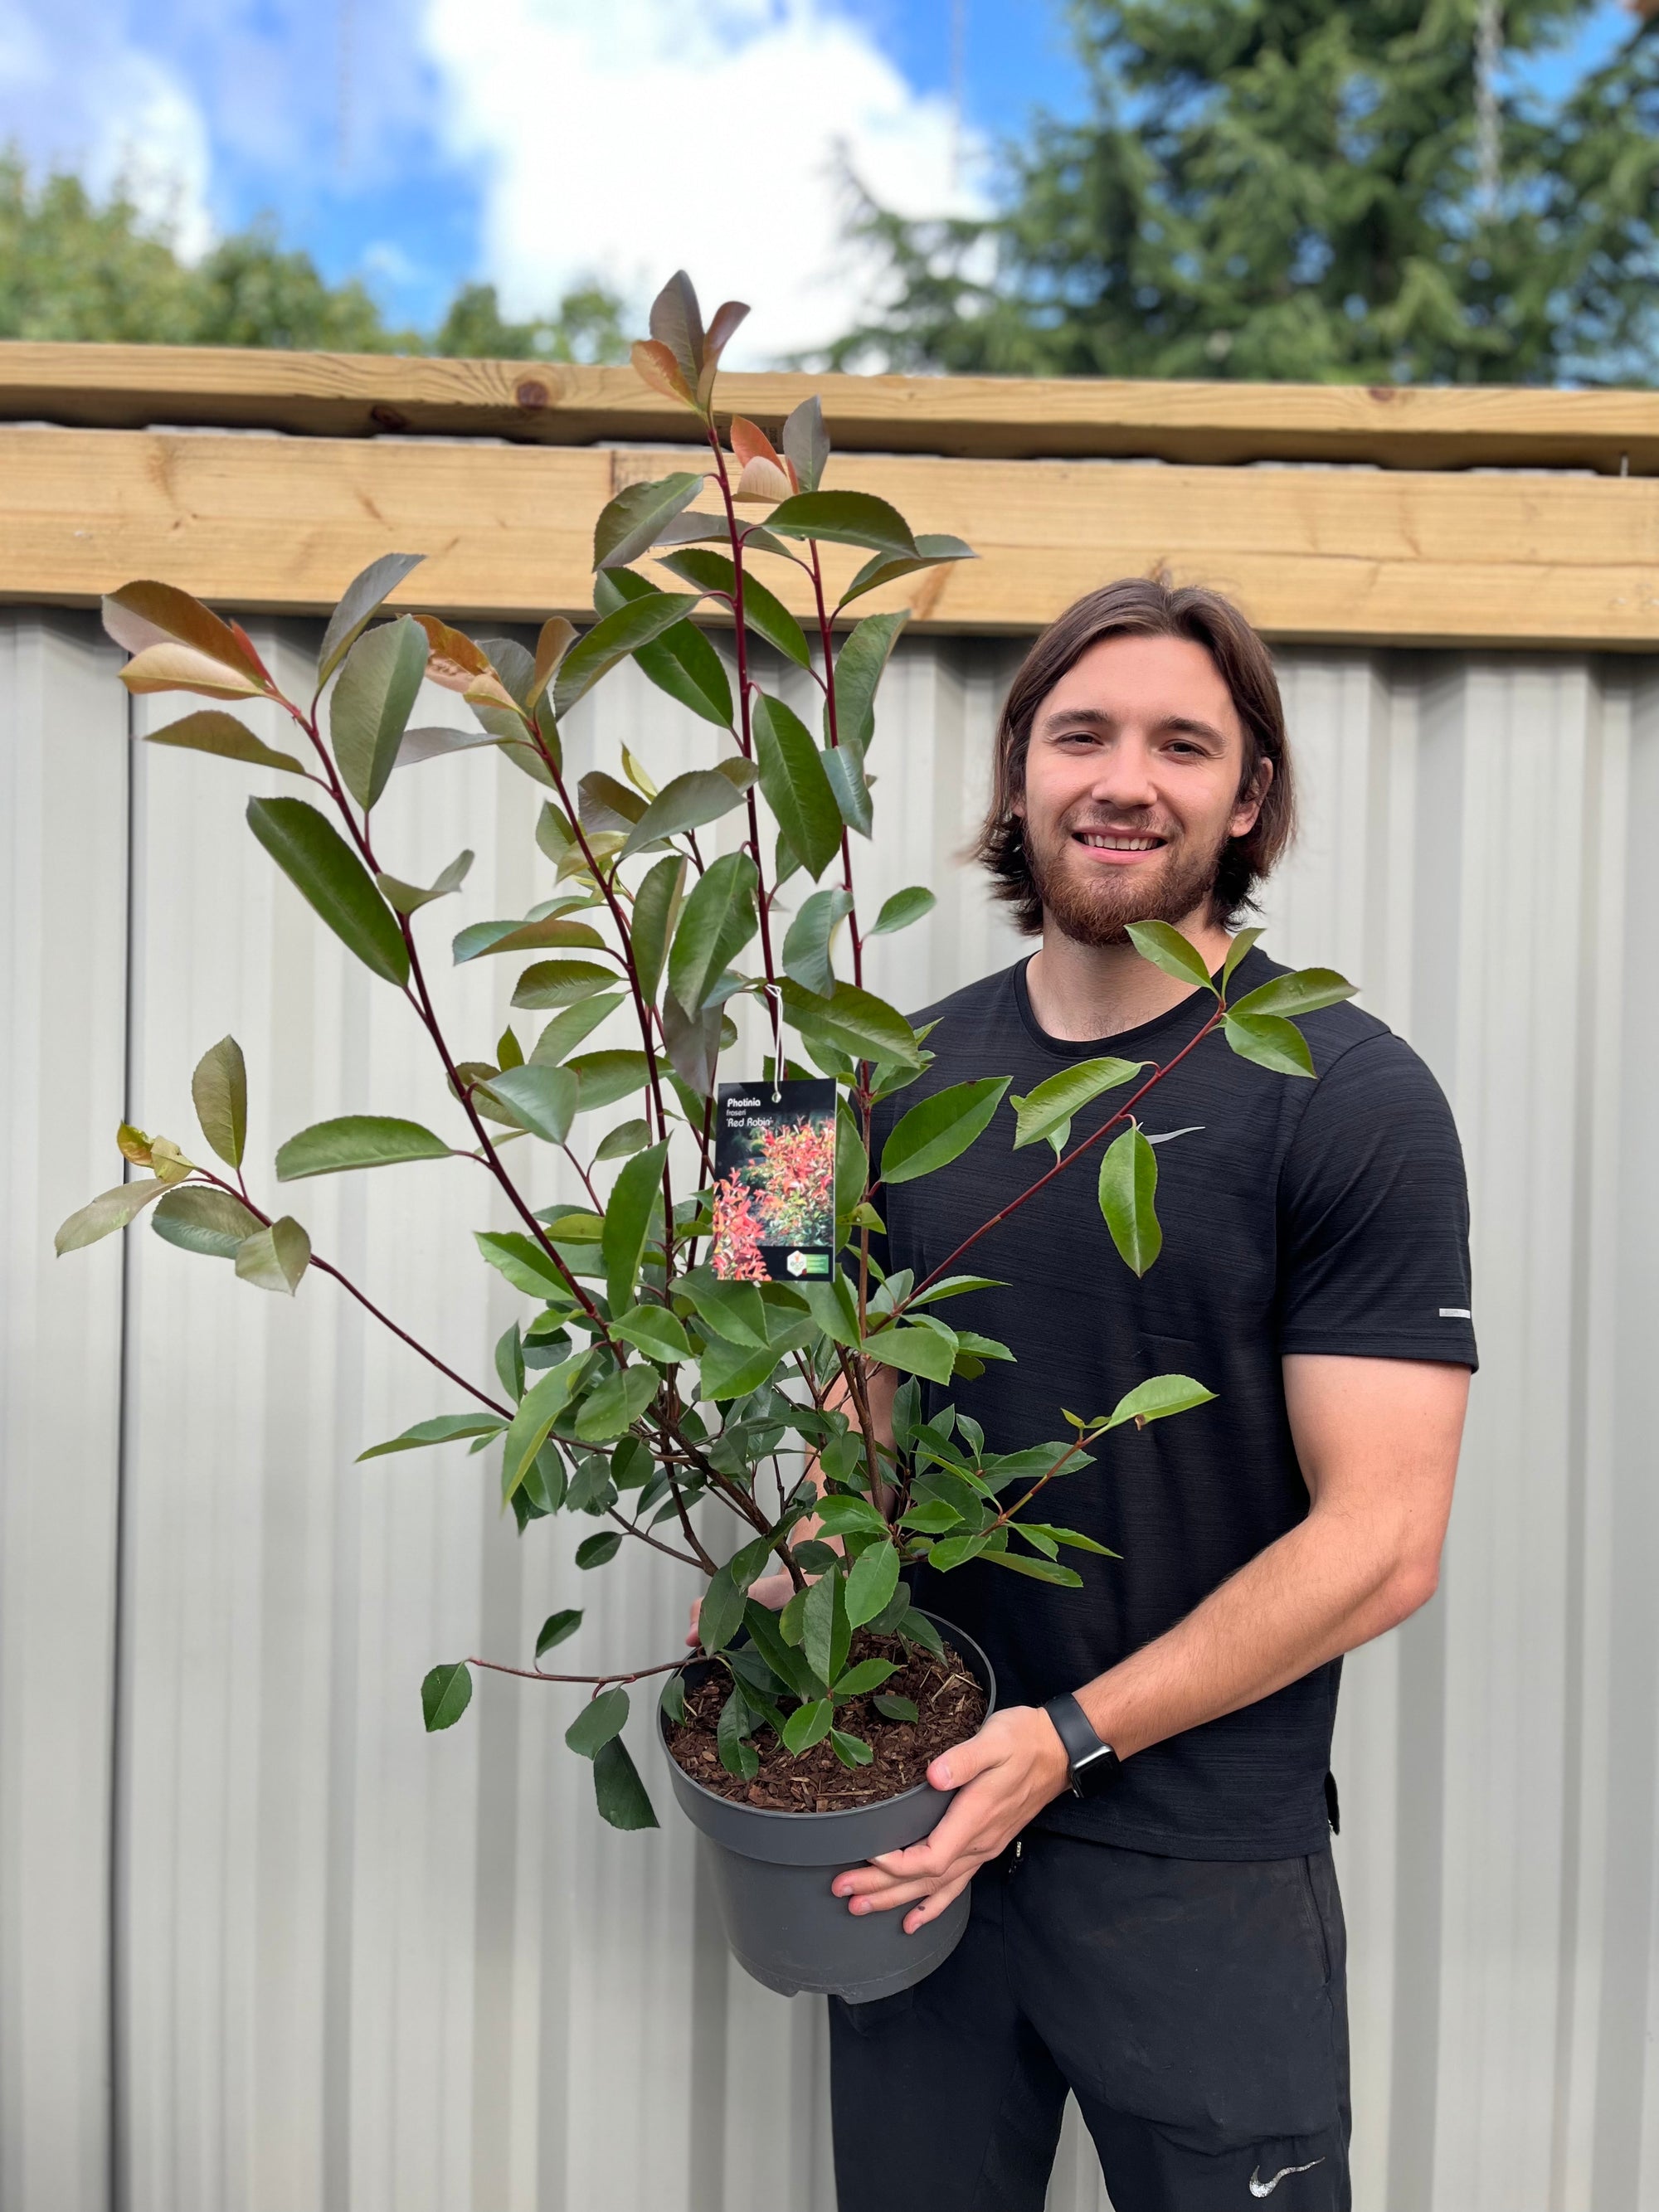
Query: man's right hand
[[774, 1591]]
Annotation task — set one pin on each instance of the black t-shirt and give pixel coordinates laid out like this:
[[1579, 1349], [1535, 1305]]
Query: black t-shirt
[[1329, 1216]]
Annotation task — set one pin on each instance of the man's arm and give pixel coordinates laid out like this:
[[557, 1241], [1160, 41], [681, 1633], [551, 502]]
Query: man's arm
[[1377, 1441]]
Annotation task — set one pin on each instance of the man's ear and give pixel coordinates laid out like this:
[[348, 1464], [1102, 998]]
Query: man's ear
[[1248, 808]]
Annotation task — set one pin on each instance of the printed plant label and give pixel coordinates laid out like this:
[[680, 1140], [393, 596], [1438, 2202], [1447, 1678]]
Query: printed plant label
[[774, 1182]]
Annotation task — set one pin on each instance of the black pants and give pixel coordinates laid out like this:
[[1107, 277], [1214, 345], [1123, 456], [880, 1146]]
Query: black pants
[[1196, 2008]]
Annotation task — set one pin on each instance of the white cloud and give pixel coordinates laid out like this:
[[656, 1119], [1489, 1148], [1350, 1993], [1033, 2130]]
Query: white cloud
[[631, 137]]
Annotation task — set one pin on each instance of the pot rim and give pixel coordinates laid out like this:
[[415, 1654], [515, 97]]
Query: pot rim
[[958, 1635]]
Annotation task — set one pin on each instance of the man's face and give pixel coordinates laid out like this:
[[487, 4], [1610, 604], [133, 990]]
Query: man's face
[[1131, 781]]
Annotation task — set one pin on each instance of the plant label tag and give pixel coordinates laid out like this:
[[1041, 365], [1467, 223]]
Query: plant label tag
[[774, 1182]]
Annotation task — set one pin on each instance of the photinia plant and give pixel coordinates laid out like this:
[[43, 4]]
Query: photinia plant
[[640, 1385]]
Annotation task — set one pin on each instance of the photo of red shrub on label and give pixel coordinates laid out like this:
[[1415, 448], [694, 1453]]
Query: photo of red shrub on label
[[774, 1182]]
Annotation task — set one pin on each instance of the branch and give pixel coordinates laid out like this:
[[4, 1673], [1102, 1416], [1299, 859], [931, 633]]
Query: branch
[[536, 1674]]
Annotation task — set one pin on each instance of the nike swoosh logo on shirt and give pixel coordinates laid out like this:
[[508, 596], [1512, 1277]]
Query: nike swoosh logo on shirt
[[1260, 2188]]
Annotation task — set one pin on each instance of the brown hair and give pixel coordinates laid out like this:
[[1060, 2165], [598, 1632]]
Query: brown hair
[[1142, 606]]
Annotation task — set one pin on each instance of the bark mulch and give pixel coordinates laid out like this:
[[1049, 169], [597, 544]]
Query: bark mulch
[[949, 1707]]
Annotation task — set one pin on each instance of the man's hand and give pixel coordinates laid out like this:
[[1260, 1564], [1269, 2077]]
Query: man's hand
[[1004, 1776]]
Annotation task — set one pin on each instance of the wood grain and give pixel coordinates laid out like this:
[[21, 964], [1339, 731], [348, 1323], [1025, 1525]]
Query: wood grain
[[363, 395], [1400, 557]]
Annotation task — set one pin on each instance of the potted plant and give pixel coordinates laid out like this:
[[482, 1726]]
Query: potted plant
[[715, 1309]]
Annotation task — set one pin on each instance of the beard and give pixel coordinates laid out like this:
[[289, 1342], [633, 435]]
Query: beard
[[1094, 904]]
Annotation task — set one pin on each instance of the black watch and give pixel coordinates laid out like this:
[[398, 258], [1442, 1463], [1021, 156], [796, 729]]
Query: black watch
[[1093, 1764]]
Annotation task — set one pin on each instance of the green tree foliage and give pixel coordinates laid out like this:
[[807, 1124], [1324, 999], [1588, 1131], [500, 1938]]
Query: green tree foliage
[[74, 267], [1284, 189]]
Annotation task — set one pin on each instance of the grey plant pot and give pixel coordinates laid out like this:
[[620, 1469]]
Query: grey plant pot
[[772, 1872]]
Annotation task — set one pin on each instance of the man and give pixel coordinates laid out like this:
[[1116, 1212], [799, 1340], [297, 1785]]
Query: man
[[1156, 1927]]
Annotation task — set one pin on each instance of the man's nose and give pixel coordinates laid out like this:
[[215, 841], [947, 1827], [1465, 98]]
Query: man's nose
[[1124, 775]]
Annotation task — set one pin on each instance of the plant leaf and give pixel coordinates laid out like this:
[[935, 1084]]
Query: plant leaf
[[324, 869], [857, 1022], [1047, 1111], [172, 667], [480, 938], [599, 1719], [804, 441], [1155, 1400], [892, 1707], [198, 1219], [932, 549], [604, 1077], [442, 1428], [445, 1694], [686, 802], [798, 791], [598, 1551], [825, 1630], [1161, 944], [717, 920], [844, 766], [1127, 1189], [617, 1403], [356, 1140], [408, 898], [681, 662], [542, 1099], [219, 1090], [901, 909], [654, 1331], [1270, 1040], [913, 1351], [523, 1261], [275, 1259], [845, 517], [762, 610], [566, 1030], [871, 1583], [612, 639], [371, 703], [637, 1189], [806, 947], [110, 1210], [656, 912], [1243, 944], [539, 1408], [808, 1724], [941, 1128], [560, 983], [210, 730], [859, 666], [719, 1616], [1303, 992], [362, 600], [618, 1789], [556, 1628], [630, 524]]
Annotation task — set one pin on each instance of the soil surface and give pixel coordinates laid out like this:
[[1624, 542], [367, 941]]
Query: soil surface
[[949, 1707]]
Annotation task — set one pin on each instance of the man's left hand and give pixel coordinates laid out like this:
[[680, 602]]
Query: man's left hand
[[1003, 1777]]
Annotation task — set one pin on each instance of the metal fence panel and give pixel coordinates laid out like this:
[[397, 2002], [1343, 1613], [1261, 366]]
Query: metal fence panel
[[361, 1969]]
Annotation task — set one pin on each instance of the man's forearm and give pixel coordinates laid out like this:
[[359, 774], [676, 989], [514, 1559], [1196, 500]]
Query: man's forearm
[[1307, 1598]]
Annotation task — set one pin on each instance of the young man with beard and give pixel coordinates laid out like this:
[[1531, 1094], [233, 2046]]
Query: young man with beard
[[1145, 1818]]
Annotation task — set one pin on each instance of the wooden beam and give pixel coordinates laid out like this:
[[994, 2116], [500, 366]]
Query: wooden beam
[[544, 403], [1347, 555]]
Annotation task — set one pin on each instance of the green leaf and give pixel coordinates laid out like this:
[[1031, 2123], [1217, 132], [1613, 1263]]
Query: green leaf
[[736, 1754], [681, 662], [846, 1515], [806, 947], [1270, 1040], [1240, 944], [717, 920], [604, 1077], [219, 1090], [825, 1630], [566, 1030], [556, 1628], [804, 441], [807, 1724], [442, 1428], [637, 1189], [324, 869], [1039, 1570], [702, 795], [1155, 1400], [542, 1099], [482, 937], [275, 1259], [356, 1140], [1303, 992], [1127, 1190], [656, 911], [445, 1694], [791, 776], [720, 1614], [851, 1750], [844, 769], [631, 523], [852, 1162], [617, 1789], [869, 1674], [732, 1370], [762, 612], [941, 1128], [844, 518], [198, 1219], [901, 909], [371, 702], [598, 1551], [892, 1707], [608, 808], [539, 1409], [932, 547], [871, 1583], [363, 598], [913, 1351], [617, 1403], [523, 1261], [612, 639], [560, 983], [653, 1330], [859, 666], [599, 1720], [213, 731], [736, 1311], [410, 898], [1166, 948], [853, 1020], [1047, 1111], [1081, 1543], [627, 1137]]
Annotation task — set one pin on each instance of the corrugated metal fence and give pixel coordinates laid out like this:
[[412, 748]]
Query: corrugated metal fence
[[264, 1947]]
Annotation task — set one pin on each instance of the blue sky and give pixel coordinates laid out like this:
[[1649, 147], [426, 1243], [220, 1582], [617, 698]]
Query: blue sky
[[421, 143]]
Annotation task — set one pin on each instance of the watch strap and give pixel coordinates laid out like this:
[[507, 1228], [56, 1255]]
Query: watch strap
[[1093, 1764]]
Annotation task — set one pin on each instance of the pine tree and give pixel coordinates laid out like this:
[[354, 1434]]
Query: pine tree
[[1287, 189]]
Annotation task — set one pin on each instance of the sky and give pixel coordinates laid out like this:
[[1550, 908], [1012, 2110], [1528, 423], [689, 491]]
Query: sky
[[423, 143]]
